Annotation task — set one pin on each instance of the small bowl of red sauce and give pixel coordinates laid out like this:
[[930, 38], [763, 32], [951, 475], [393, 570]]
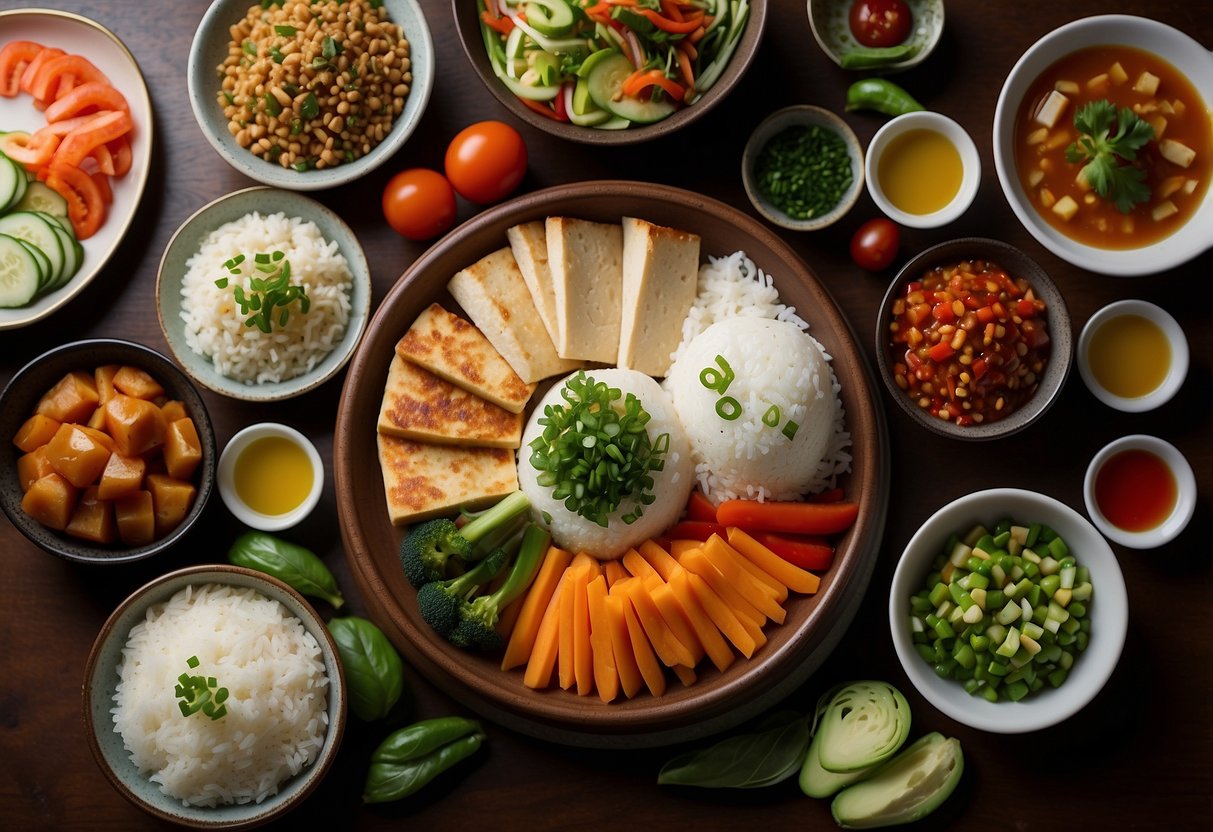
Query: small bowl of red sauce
[[1140, 491], [974, 339]]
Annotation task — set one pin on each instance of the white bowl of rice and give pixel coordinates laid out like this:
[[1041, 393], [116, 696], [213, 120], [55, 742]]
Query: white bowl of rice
[[282, 715], [211, 263]]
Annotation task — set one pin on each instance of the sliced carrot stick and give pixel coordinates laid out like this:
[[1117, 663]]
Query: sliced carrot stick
[[614, 572], [668, 647], [630, 680], [566, 673], [697, 562], [793, 577], [776, 589], [706, 629], [677, 547], [747, 586], [659, 559], [638, 566], [583, 653], [522, 638], [723, 617], [606, 677], [538, 672], [650, 669], [676, 618], [686, 675], [684, 69]]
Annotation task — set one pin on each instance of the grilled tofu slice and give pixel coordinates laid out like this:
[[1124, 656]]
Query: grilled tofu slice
[[660, 277], [455, 350], [493, 293], [422, 481], [529, 242], [586, 259], [419, 405]]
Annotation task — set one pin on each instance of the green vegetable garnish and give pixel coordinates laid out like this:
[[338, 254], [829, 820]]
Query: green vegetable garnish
[[195, 693], [288, 562], [1107, 137], [374, 671], [330, 48], [272, 106], [250, 48], [728, 408], [804, 171], [285, 31], [771, 417], [411, 757], [276, 55], [310, 107], [789, 429], [594, 455], [270, 290], [718, 381]]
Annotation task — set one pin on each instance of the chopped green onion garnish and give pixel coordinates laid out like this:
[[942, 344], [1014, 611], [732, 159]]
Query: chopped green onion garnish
[[195, 693], [718, 381], [789, 429], [728, 408], [771, 417], [311, 107], [285, 31]]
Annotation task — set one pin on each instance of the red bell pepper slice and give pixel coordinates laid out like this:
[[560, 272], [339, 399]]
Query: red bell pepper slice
[[15, 58], [807, 552]]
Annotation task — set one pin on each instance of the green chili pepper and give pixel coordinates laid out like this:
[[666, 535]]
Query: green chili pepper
[[882, 96], [410, 758], [868, 57]]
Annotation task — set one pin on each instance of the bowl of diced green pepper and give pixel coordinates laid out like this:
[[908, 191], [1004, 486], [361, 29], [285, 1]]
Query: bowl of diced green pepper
[[1008, 611]]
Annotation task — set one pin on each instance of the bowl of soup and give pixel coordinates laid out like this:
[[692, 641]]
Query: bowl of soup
[[922, 169], [1104, 147]]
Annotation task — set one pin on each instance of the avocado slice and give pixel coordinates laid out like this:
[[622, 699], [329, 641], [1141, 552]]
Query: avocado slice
[[605, 82], [905, 789]]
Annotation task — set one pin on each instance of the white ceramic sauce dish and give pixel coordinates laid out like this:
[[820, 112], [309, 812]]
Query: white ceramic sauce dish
[[1177, 365], [227, 477], [1185, 493]]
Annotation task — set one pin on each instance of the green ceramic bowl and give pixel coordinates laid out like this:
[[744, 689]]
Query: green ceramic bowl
[[186, 242], [101, 682]]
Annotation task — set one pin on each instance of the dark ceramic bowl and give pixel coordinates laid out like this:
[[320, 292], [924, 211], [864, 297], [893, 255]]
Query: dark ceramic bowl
[[467, 24], [17, 404], [717, 700], [101, 682], [1016, 264]]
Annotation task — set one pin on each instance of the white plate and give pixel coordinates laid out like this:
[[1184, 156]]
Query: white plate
[[79, 35]]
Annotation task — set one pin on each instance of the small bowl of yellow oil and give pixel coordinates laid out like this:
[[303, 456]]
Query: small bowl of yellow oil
[[922, 170], [1133, 355], [270, 476]]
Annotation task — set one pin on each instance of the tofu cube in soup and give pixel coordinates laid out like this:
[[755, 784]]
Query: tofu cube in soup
[[1146, 83], [1051, 110], [1177, 152]]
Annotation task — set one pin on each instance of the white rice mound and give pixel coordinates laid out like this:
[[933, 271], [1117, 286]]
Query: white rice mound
[[277, 710], [738, 314], [671, 486], [214, 325]]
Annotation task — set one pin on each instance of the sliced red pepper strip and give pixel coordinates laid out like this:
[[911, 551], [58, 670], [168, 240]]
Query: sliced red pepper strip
[[637, 82], [807, 552], [797, 518], [502, 25], [90, 94], [542, 110], [674, 27], [700, 508], [15, 58], [834, 495], [85, 200], [558, 105], [30, 150], [941, 352], [46, 86], [79, 143], [696, 530]]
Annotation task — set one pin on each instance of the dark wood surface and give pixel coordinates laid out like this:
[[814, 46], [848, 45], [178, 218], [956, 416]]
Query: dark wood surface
[[1138, 757]]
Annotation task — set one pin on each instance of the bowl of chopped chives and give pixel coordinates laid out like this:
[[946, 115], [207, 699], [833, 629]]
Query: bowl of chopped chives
[[802, 168]]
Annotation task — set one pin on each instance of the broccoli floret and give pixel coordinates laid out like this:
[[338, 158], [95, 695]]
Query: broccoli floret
[[477, 620], [428, 547], [439, 601]]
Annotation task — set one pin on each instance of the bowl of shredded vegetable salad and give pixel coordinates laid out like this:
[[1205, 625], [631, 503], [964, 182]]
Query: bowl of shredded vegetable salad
[[609, 71]]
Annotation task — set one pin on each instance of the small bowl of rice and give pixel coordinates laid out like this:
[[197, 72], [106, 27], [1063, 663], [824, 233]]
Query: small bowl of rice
[[233, 254], [275, 710]]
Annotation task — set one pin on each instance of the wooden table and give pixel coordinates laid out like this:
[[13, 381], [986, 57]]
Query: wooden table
[[1138, 757]]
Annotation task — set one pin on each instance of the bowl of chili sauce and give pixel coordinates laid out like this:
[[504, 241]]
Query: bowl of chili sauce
[[1140, 491], [973, 339]]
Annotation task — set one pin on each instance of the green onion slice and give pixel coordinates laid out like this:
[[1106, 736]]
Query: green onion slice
[[728, 408]]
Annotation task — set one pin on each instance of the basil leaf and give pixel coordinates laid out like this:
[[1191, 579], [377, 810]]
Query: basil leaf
[[294, 565], [748, 761], [374, 672]]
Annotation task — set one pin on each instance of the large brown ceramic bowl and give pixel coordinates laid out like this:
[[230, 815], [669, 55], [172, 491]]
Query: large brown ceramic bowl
[[467, 24], [717, 700]]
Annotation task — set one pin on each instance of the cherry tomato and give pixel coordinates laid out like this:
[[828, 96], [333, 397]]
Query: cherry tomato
[[419, 204], [486, 161], [880, 22], [875, 244]]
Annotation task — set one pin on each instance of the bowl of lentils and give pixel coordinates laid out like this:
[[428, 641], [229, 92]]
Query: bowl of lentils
[[305, 96], [802, 168]]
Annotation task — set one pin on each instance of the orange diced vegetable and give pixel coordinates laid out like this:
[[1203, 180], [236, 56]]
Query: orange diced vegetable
[[743, 582], [72, 399], [677, 547], [630, 678], [538, 673], [793, 577], [97, 420], [136, 518], [136, 425], [35, 432], [172, 411], [99, 436], [522, 638], [32, 467], [171, 501], [137, 384], [668, 647], [708, 633], [51, 501], [182, 448], [642, 649], [79, 457], [606, 677], [93, 519], [123, 475], [103, 377]]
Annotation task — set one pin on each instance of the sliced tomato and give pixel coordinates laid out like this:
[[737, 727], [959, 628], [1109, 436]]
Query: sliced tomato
[[30, 150], [62, 128], [27, 77], [81, 142], [102, 160], [103, 184], [89, 97], [59, 75], [85, 200], [14, 58], [120, 149]]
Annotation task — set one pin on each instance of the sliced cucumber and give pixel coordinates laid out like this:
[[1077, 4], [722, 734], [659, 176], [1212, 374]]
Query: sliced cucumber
[[71, 252], [37, 231], [44, 263], [38, 197], [19, 273], [13, 183], [553, 18], [606, 88], [595, 58]]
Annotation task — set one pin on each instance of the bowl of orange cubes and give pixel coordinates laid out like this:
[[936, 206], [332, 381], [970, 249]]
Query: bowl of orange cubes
[[109, 453]]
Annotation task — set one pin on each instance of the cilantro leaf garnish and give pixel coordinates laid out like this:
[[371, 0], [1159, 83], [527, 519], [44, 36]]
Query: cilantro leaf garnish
[[1107, 137]]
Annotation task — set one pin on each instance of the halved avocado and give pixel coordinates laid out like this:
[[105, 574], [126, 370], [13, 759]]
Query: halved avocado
[[606, 88], [905, 789]]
